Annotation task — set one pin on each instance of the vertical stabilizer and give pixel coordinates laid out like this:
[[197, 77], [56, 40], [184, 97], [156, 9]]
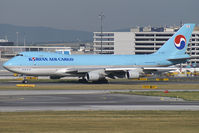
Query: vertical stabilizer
[[177, 44]]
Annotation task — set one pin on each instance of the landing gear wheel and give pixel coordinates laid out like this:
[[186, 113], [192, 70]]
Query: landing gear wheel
[[101, 81], [25, 81], [83, 81]]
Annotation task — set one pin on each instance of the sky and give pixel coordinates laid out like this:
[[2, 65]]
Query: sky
[[84, 14]]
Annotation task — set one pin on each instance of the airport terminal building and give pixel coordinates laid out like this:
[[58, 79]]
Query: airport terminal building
[[141, 40]]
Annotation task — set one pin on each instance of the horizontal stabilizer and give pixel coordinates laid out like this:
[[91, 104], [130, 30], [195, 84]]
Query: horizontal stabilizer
[[185, 58]]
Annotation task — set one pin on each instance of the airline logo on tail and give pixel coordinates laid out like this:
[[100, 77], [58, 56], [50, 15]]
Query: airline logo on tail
[[180, 42]]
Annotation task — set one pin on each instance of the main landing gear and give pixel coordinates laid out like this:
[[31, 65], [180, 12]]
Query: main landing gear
[[100, 81], [83, 80], [25, 81]]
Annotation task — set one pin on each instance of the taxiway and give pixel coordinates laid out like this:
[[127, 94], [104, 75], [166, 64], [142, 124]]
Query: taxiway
[[61, 100]]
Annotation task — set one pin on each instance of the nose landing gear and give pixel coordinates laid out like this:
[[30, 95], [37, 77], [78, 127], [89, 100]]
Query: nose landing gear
[[25, 81]]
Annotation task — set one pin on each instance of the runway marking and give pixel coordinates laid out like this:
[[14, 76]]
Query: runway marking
[[104, 98], [162, 99], [170, 99], [162, 79], [21, 98], [25, 85], [149, 87]]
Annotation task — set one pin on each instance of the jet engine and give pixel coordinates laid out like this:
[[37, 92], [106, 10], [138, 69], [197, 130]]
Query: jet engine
[[55, 77], [93, 76], [132, 74]]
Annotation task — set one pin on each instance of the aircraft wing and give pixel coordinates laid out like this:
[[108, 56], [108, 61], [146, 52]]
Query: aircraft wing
[[180, 59], [185, 58], [119, 72], [144, 69], [115, 72], [158, 69], [123, 69]]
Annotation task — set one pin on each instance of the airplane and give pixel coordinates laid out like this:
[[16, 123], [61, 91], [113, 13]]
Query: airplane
[[97, 68]]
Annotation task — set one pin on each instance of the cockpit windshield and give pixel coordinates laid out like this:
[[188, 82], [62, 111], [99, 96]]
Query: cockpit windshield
[[19, 55]]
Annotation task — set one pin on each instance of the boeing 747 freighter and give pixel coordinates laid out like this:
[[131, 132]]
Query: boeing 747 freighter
[[99, 67]]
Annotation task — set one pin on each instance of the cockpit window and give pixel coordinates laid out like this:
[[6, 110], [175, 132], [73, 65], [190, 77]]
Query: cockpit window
[[19, 55]]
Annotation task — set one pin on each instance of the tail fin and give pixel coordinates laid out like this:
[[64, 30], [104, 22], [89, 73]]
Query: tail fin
[[177, 44]]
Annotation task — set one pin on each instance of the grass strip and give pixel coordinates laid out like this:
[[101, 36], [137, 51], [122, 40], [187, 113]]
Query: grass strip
[[62, 86], [100, 122]]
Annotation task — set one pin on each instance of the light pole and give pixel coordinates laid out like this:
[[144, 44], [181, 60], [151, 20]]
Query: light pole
[[24, 42], [101, 15], [17, 38]]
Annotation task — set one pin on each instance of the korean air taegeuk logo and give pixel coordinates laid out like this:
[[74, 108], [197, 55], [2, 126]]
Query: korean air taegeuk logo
[[180, 42]]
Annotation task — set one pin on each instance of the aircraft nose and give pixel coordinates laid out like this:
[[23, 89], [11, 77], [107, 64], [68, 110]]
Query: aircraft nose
[[7, 64]]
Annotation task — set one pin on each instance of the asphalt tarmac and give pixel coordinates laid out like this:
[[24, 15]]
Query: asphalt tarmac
[[61, 100]]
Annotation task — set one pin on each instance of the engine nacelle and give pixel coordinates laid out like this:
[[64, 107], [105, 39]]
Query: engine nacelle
[[55, 77], [132, 74], [93, 76]]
